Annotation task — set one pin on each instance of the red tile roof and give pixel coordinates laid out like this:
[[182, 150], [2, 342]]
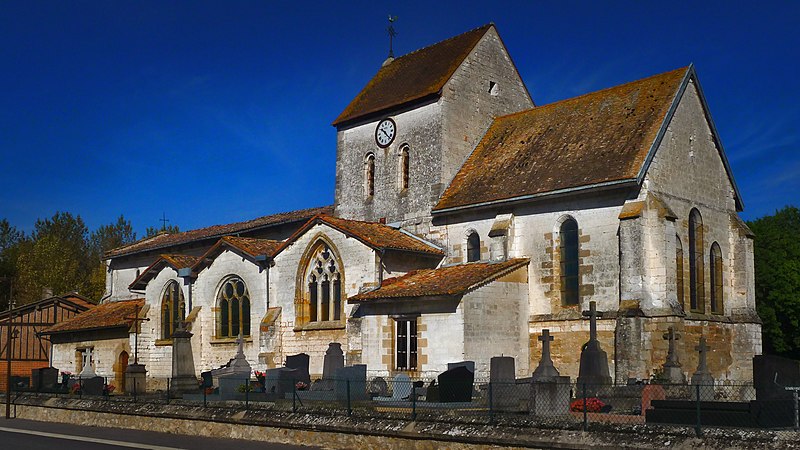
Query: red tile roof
[[180, 261], [412, 77], [176, 261], [444, 281], [107, 315], [375, 235], [167, 240], [253, 247], [596, 138]]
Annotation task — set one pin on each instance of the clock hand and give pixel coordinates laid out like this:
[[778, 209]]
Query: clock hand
[[384, 133]]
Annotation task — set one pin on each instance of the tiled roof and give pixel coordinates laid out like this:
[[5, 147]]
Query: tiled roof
[[167, 240], [413, 76], [372, 234], [107, 315], [253, 247], [176, 261], [444, 281], [180, 261], [597, 138]]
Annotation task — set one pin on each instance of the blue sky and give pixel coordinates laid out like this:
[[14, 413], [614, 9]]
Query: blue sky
[[216, 112]]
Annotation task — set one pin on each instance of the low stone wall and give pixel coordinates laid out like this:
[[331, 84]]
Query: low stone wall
[[264, 424]]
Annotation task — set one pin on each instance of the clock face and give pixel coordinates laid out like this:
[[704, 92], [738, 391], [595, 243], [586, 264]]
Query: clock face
[[384, 134]]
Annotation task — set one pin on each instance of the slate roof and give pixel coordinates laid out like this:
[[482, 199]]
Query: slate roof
[[107, 315], [375, 235], [594, 139], [167, 240], [443, 281], [412, 77]]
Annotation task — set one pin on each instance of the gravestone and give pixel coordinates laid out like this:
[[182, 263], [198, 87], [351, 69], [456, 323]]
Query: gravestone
[[356, 377], [135, 379], [401, 387], [378, 387], [455, 385], [771, 374], [280, 381], [702, 376], [502, 370], [92, 386], [183, 375], [237, 373], [300, 363], [334, 360], [44, 379], [88, 360], [673, 371], [468, 364], [593, 371], [502, 382], [549, 391]]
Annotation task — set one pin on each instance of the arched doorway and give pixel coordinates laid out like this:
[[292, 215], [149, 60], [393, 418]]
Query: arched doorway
[[119, 371]]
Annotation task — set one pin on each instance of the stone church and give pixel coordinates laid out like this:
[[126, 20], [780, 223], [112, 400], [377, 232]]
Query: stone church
[[466, 220]]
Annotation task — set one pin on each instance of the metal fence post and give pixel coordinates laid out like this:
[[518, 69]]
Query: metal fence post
[[698, 427], [413, 402], [796, 413], [205, 396], [80, 387], [349, 406], [294, 396], [585, 412], [491, 410], [168, 391], [247, 394], [135, 386]]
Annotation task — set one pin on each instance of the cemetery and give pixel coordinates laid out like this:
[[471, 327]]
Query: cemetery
[[545, 399]]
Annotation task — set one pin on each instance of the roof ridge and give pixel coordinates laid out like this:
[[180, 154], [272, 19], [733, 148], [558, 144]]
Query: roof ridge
[[588, 94], [487, 26]]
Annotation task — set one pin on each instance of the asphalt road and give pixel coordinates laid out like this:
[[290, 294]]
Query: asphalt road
[[19, 434]]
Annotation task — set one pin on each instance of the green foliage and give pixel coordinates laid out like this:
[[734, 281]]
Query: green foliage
[[111, 236], [10, 240], [169, 229], [777, 267]]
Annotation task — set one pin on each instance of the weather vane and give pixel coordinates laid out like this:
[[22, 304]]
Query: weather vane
[[392, 34]]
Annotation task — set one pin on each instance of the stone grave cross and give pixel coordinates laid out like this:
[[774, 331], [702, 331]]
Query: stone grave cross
[[672, 355], [136, 328], [240, 345], [545, 369], [593, 315], [703, 349]]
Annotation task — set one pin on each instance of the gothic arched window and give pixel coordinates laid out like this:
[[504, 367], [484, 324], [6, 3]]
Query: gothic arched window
[[323, 281], [696, 279], [173, 309], [570, 280], [369, 175], [679, 270], [473, 247], [233, 309], [716, 279], [404, 167]]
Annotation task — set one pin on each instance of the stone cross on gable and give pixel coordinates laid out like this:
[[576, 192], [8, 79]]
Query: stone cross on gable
[[593, 315], [703, 349], [672, 355]]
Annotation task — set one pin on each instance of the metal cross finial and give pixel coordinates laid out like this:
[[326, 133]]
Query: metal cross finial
[[163, 221], [392, 34], [136, 320]]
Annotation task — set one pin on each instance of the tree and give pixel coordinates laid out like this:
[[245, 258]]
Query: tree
[[58, 257], [113, 235], [10, 241], [169, 229], [777, 267]]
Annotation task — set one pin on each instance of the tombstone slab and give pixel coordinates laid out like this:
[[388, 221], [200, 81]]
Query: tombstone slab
[[378, 387], [300, 363], [135, 379], [183, 375], [354, 376], [280, 381], [702, 377], [456, 384], [92, 386], [44, 379], [468, 364], [334, 360]]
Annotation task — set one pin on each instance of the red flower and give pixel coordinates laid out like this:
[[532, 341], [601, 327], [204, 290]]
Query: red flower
[[593, 404]]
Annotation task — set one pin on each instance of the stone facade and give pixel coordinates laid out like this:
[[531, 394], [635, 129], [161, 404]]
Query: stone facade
[[627, 247]]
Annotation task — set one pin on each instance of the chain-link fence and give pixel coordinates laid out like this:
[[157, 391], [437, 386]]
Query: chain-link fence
[[556, 405]]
